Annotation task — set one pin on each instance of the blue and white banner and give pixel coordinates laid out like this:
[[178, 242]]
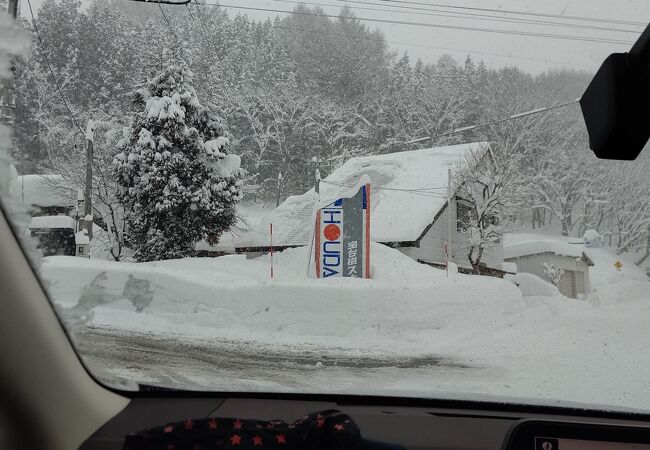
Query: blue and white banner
[[342, 236]]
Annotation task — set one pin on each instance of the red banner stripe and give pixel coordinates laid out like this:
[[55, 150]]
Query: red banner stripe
[[367, 255], [317, 243]]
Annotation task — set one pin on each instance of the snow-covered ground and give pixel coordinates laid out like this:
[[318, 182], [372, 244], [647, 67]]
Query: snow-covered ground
[[411, 330]]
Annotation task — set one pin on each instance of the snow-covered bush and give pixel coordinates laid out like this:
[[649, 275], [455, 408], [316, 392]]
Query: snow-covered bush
[[553, 273], [174, 177]]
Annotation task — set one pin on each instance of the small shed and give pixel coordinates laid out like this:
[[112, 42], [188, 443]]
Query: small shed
[[540, 254], [55, 234]]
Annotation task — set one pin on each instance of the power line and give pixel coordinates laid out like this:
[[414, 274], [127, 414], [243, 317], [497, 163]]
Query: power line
[[431, 25], [463, 15], [49, 66], [367, 38], [493, 11], [521, 13], [464, 129], [198, 17], [190, 11], [169, 25], [494, 122], [464, 50]]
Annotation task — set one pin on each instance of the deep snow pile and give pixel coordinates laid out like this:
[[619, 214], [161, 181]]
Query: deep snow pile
[[540, 346], [611, 285], [232, 297]]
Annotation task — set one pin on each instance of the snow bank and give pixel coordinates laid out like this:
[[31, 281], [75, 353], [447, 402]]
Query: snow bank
[[232, 297], [612, 285], [540, 347], [533, 286]]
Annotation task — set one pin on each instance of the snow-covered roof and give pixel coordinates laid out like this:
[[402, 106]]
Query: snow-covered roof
[[44, 190], [229, 240], [408, 189], [52, 222], [523, 244]]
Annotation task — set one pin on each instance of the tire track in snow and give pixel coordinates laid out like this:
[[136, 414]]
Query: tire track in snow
[[179, 363]]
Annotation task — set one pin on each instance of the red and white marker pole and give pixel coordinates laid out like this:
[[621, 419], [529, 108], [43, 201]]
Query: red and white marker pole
[[447, 258], [271, 233]]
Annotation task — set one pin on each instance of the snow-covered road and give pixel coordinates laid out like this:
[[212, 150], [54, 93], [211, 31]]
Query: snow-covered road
[[220, 324], [224, 365]]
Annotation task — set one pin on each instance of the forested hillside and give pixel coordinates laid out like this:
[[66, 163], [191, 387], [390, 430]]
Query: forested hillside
[[307, 88]]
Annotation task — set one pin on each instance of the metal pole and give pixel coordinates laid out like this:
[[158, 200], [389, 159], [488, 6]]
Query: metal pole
[[277, 194], [314, 215], [317, 179], [444, 247], [271, 232], [450, 231], [88, 207]]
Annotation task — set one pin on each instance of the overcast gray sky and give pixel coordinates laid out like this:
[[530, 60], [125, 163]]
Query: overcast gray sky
[[429, 43]]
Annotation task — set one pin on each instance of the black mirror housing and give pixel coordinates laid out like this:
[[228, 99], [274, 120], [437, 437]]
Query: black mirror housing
[[616, 104], [616, 109]]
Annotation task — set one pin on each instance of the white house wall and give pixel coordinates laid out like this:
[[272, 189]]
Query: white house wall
[[431, 247]]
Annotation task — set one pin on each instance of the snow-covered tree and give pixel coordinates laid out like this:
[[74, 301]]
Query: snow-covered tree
[[174, 176], [108, 211], [625, 207], [488, 191]]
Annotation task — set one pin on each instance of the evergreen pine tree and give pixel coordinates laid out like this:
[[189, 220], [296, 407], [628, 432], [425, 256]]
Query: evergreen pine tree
[[173, 173]]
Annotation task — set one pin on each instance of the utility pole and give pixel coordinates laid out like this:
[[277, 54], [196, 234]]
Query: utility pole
[[12, 8], [88, 203], [8, 88], [450, 231], [277, 192], [317, 177], [8, 102]]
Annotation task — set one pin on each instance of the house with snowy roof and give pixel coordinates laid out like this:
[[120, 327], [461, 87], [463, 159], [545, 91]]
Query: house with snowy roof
[[409, 207]]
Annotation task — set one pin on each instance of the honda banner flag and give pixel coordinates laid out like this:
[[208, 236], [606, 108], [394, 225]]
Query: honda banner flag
[[342, 236]]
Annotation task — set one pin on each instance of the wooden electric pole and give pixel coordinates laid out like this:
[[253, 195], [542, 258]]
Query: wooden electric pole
[[8, 105], [12, 8], [8, 89]]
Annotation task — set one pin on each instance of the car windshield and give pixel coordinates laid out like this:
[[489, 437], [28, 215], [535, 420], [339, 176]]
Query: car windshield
[[381, 197]]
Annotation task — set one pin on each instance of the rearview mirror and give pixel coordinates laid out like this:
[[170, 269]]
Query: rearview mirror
[[616, 104]]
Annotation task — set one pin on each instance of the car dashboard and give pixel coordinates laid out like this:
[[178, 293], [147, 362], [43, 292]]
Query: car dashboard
[[507, 427]]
